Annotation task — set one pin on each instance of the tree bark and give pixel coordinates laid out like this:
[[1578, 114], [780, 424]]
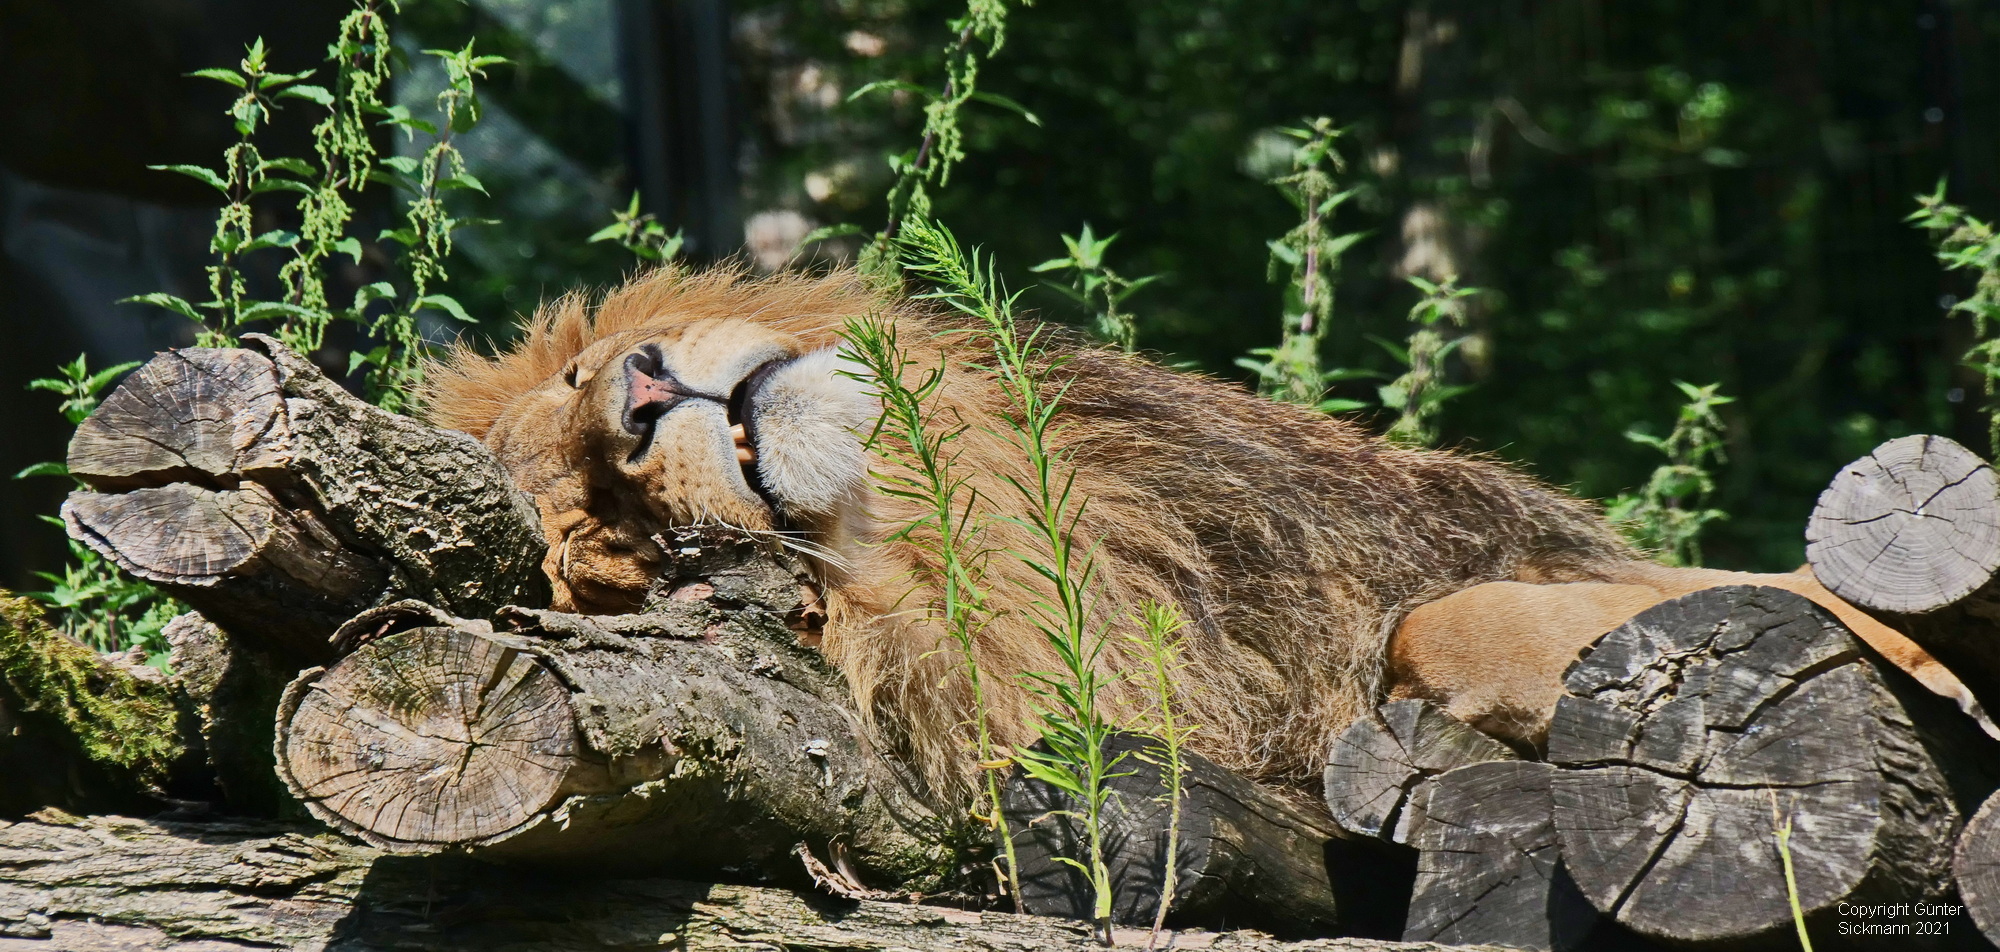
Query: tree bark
[[1911, 532], [1692, 731], [98, 884], [1377, 770], [229, 688], [698, 737], [1244, 855], [247, 484]]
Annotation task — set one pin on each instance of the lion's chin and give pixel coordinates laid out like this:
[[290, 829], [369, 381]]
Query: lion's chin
[[804, 423]]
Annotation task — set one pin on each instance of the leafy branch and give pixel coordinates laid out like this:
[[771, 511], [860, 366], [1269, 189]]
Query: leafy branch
[[1098, 288], [1667, 514]]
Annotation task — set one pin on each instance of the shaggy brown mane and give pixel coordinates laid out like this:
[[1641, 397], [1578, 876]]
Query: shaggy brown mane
[[1293, 542]]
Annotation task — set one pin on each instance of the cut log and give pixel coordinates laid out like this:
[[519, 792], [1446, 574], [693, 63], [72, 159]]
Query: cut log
[[1689, 733], [1245, 857], [230, 689], [77, 730], [1490, 869], [1377, 768], [700, 737], [1911, 532], [1976, 867], [247, 484], [111, 883]]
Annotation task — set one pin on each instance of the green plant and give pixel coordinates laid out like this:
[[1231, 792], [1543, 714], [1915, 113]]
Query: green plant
[[90, 600], [943, 143], [1309, 257], [1965, 243], [641, 234], [1783, 830], [911, 435], [386, 313], [1072, 721], [1666, 515], [1158, 642], [1098, 288], [1420, 393]]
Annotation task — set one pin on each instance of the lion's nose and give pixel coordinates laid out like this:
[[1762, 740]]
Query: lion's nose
[[651, 390]]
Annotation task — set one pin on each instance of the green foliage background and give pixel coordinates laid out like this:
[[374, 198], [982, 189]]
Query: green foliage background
[[1648, 195], [1646, 191]]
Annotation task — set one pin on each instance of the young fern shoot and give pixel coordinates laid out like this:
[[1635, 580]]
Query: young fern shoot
[[1158, 641], [1072, 720], [910, 436], [1666, 515]]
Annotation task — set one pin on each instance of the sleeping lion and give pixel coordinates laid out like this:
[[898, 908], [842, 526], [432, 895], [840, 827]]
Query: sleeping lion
[[1320, 568]]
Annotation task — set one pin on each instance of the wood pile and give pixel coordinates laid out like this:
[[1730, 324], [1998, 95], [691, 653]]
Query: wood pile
[[373, 652]]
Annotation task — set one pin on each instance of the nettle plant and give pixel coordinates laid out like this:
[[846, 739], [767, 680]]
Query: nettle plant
[[90, 599], [1965, 243]]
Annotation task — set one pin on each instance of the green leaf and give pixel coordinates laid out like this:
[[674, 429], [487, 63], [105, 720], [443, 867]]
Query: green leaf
[[229, 76], [267, 309], [829, 232], [298, 167], [271, 239], [447, 304], [168, 301], [350, 247], [612, 232], [281, 185], [197, 173], [884, 85], [995, 99], [401, 163], [466, 181], [50, 468], [280, 79], [1341, 405]]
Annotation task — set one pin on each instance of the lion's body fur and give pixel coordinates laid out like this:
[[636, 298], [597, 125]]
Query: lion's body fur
[[1293, 542]]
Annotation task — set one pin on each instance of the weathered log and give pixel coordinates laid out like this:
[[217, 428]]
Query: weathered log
[[230, 687], [1976, 867], [77, 730], [1245, 855], [97, 884], [700, 736], [1690, 733], [247, 484], [1376, 770], [1490, 868], [1911, 532]]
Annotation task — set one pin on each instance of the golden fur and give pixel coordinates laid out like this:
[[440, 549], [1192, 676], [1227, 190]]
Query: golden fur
[[1294, 543]]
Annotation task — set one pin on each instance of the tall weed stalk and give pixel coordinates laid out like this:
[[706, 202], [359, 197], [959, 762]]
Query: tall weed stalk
[[913, 435], [1099, 289], [1158, 643], [1309, 258], [1072, 720]]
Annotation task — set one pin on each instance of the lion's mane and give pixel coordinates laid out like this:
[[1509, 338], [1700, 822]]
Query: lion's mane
[[1293, 542]]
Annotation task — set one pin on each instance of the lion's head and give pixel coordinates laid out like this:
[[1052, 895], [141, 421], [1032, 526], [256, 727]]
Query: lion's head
[[1292, 541]]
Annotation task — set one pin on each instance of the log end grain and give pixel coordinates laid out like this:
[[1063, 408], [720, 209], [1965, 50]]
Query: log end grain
[[1689, 733], [429, 739], [1912, 527]]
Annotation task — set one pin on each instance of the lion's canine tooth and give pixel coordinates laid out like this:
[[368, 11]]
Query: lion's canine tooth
[[737, 433], [745, 454]]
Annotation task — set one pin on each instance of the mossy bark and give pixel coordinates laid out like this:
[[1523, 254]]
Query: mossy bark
[[78, 729]]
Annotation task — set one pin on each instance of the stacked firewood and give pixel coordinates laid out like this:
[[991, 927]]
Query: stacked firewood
[[371, 633], [1726, 754]]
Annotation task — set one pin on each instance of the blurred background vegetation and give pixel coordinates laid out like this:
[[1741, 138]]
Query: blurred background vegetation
[[1648, 191]]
